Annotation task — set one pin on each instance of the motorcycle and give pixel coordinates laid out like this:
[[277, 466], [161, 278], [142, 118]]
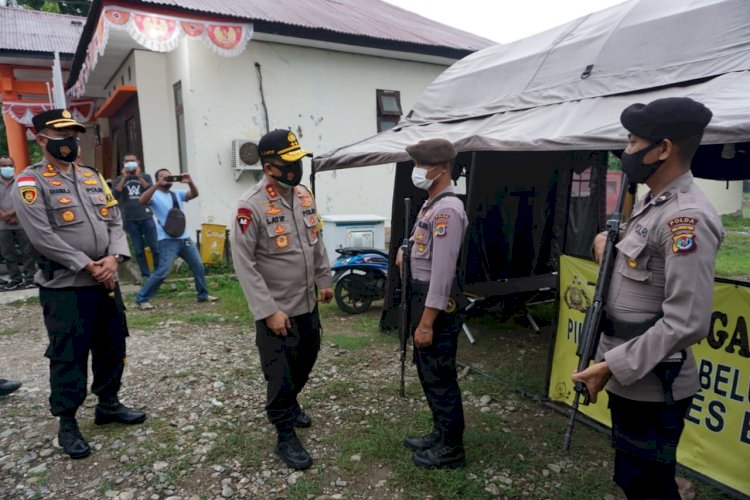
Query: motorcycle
[[359, 276]]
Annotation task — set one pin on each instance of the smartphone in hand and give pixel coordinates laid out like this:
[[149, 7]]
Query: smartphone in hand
[[174, 178]]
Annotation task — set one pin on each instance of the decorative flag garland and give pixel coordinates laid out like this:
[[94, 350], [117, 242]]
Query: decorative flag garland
[[160, 33]]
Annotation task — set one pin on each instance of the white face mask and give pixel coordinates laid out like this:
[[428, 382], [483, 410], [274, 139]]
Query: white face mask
[[419, 178], [131, 165]]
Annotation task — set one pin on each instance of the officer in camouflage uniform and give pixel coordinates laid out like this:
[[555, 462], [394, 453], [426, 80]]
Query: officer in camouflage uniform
[[279, 257], [660, 297], [71, 219], [435, 245]]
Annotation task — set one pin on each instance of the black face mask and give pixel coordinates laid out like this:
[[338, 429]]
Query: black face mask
[[635, 169], [293, 168], [65, 149]]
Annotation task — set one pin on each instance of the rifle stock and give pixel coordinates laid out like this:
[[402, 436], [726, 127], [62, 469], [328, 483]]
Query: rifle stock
[[405, 316], [588, 339]]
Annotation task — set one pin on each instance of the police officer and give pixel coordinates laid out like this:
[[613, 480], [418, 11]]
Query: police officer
[[71, 219], [660, 297], [435, 247], [279, 257], [11, 232]]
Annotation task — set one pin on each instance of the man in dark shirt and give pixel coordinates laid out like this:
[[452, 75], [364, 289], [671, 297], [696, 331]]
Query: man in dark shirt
[[137, 218]]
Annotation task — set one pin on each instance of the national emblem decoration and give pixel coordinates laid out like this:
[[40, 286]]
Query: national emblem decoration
[[68, 216], [66, 114], [282, 241]]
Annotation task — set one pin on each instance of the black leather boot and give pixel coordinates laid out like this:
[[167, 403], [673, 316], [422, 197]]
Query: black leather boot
[[416, 443], [8, 386], [291, 451], [69, 437], [113, 411], [448, 453]]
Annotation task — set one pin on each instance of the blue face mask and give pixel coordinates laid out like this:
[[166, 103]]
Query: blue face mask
[[8, 172]]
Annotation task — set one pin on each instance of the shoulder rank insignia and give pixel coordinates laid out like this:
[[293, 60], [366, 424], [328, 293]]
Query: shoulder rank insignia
[[271, 192], [244, 218], [27, 188], [282, 241], [49, 168], [88, 174]]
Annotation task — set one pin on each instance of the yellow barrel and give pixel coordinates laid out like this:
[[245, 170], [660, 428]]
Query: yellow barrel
[[213, 238]]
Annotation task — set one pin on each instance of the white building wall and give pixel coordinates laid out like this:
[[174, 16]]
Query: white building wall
[[326, 97], [726, 197]]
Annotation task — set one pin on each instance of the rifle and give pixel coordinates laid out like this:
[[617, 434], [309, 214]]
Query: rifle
[[404, 324], [588, 339]]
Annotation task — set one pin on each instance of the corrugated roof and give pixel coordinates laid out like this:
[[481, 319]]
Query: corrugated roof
[[36, 31], [370, 18]]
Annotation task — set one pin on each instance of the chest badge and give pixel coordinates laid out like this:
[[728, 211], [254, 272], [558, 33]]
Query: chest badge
[[104, 212], [421, 247], [68, 216], [272, 208], [279, 229], [419, 236], [56, 183], [64, 200], [88, 174], [313, 219], [282, 241], [49, 174], [91, 182], [632, 263]]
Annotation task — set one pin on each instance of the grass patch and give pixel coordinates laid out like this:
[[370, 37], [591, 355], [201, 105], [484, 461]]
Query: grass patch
[[735, 222], [733, 259]]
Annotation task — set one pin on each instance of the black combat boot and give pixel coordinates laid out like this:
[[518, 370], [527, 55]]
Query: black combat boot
[[303, 421], [111, 410], [416, 443], [69, 437], [291, 451], [8, 386], [447, 453]]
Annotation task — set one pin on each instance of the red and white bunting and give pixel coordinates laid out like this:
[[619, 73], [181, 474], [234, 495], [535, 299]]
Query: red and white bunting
[[161, 33]]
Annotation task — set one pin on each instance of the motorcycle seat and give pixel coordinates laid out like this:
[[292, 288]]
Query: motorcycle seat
[[360, 250]]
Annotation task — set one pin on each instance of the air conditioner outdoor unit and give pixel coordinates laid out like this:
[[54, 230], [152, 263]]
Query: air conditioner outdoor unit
[[245, 157]]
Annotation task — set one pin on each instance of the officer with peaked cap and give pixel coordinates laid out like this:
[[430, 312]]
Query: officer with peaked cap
[[660, 296], [435, 245], [71, 219], [280, 258]]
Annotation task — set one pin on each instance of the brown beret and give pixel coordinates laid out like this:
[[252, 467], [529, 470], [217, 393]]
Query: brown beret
[[673, 118], [432, 151]]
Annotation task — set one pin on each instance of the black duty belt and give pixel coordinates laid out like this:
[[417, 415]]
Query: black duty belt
[[627, 330]]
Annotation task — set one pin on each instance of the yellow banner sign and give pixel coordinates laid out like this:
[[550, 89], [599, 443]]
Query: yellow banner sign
[[716, 441]]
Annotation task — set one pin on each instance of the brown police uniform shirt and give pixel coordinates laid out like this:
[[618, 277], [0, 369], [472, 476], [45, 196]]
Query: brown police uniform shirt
[[435, 246], [278, 252], [67, 218], [665, 263]]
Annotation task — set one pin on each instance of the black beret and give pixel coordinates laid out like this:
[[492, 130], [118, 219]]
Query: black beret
[[674, 118], [432, 151], [56, 118]]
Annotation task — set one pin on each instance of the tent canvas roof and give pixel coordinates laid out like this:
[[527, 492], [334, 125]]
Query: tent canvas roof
[[534, 94]]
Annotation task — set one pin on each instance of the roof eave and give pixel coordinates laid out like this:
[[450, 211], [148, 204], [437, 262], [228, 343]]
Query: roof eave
[[282, 29]]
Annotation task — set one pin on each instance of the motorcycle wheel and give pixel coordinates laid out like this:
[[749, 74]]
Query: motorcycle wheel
[[349, 296]]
